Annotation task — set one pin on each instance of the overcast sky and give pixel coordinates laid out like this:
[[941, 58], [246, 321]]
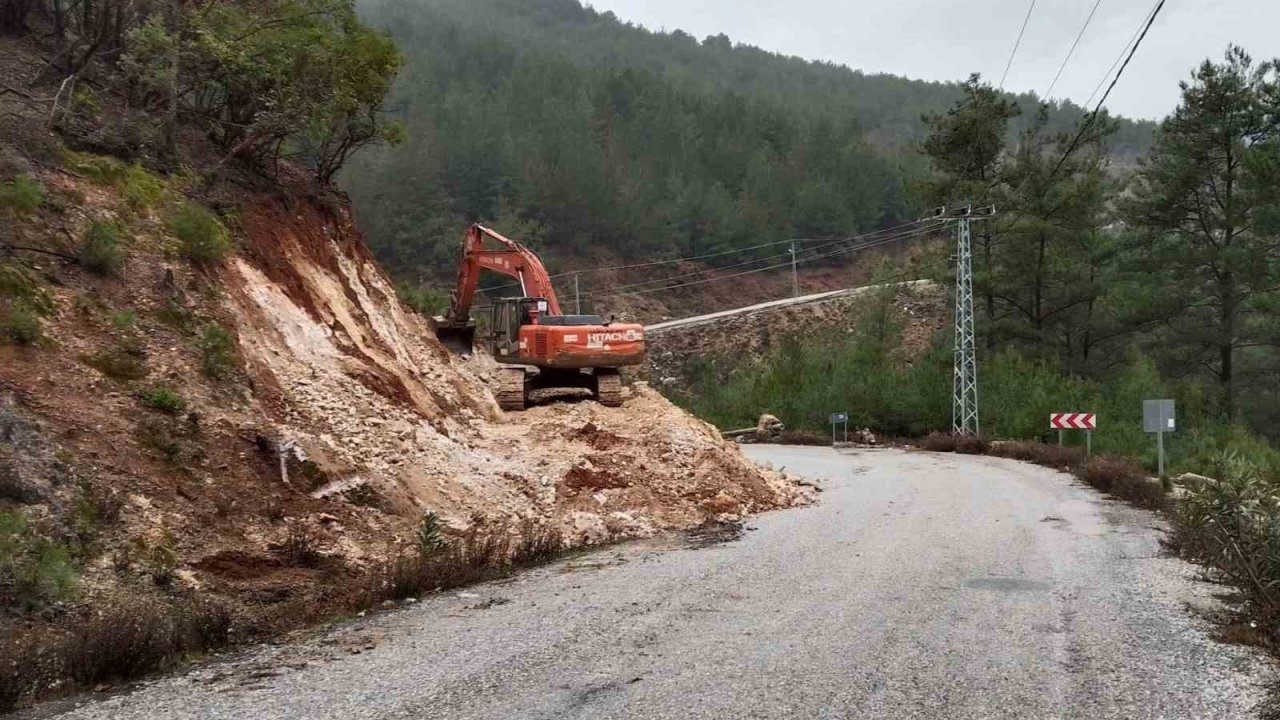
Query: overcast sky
[[941, 40]]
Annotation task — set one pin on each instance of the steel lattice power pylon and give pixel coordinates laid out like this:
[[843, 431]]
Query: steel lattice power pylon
[[964, 402]]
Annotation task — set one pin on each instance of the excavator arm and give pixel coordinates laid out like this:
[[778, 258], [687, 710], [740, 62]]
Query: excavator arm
[[456, 328], [512, 259]]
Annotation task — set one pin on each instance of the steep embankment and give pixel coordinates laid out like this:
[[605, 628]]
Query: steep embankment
[[197, 452], [378, 404]]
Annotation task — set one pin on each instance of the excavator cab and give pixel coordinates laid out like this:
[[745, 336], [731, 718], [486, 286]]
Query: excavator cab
[[505, 321]]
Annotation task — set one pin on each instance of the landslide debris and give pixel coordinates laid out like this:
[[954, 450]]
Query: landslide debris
[[235, 448]]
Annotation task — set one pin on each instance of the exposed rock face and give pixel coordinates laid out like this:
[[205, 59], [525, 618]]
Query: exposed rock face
[[339, 423]]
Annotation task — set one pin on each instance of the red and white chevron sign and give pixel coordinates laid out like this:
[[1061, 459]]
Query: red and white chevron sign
[[1073, 421]]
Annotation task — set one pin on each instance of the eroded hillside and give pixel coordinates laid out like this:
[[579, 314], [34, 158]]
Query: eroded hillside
[[264, 434]]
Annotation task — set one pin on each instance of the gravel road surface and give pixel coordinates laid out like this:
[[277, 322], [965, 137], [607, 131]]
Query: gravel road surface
[[921, 586]]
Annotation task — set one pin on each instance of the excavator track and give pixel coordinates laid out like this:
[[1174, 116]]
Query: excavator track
[[608, 387], [511, 394]]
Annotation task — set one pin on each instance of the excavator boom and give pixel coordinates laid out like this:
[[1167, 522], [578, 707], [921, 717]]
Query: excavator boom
[[513, 260]]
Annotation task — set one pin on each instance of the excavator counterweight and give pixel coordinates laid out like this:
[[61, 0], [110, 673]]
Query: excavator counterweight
[[529, 331]]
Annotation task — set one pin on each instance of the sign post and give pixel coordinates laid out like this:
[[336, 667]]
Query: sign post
[[1075, 421], [1158, 417], [836, 418]]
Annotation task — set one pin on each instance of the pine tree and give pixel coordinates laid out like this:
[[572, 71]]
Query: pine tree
[[1201, 202]]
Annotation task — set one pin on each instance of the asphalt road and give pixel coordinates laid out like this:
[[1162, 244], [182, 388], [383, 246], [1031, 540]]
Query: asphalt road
[[922, 586]]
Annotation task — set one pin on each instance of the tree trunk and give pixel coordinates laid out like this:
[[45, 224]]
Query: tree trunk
[[1227, 345], [173, 24], [989, 297]]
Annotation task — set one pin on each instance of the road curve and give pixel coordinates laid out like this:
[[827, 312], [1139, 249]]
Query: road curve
[[922, 586]]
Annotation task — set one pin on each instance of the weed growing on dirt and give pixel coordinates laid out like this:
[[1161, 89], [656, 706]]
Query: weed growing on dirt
[[21, 196], [23, 301], [140, 188], [162, 398], [124, 320], [1124, 479], [117, 364], [118, 641], [1049, 455], [217, 351], [174, 315], [431, 538], [35, 571], [299, 548], [158, 557], [101, 252], [203, 239], [19, 325], [476, 557]]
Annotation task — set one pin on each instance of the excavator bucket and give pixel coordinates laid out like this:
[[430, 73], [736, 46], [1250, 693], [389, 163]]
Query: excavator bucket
[[459, 338]]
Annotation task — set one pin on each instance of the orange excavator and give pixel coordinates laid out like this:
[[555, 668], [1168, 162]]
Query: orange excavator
[[529, 331]]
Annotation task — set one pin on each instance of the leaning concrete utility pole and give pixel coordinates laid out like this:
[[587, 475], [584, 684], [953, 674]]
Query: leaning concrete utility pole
[[964, 398]]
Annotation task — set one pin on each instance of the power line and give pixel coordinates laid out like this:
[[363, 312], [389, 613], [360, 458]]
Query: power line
[[1145, 19], [1016, 43], [654, 263], [627, 290], [863, 246], [1065, 60], [833, 243], [1094, 115]]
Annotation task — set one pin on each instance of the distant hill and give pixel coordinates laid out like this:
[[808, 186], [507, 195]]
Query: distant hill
[[589, 136]]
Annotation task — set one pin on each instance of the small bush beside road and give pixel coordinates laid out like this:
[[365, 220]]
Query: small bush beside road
[[1232, 524]]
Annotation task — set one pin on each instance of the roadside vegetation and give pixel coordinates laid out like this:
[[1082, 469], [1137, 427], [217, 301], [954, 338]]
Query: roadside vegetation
[[1094, 291]]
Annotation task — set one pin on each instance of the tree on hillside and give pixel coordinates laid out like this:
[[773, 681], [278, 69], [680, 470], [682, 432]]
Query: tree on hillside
[[1204, 203], [1048, 269], [967, 145]]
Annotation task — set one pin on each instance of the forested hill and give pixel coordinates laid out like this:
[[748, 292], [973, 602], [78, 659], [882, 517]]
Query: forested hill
[[588, 136]]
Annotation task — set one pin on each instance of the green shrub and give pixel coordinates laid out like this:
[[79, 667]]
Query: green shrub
[[19, 324], [124, 320], [22, 303], [431, 538], [35, 571], [117, 364], [203, 238], [163, 398], [174, 315], [100, 251], [217, 351], [21, 196], [1233, 525], [99, 169], [141, 189]]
